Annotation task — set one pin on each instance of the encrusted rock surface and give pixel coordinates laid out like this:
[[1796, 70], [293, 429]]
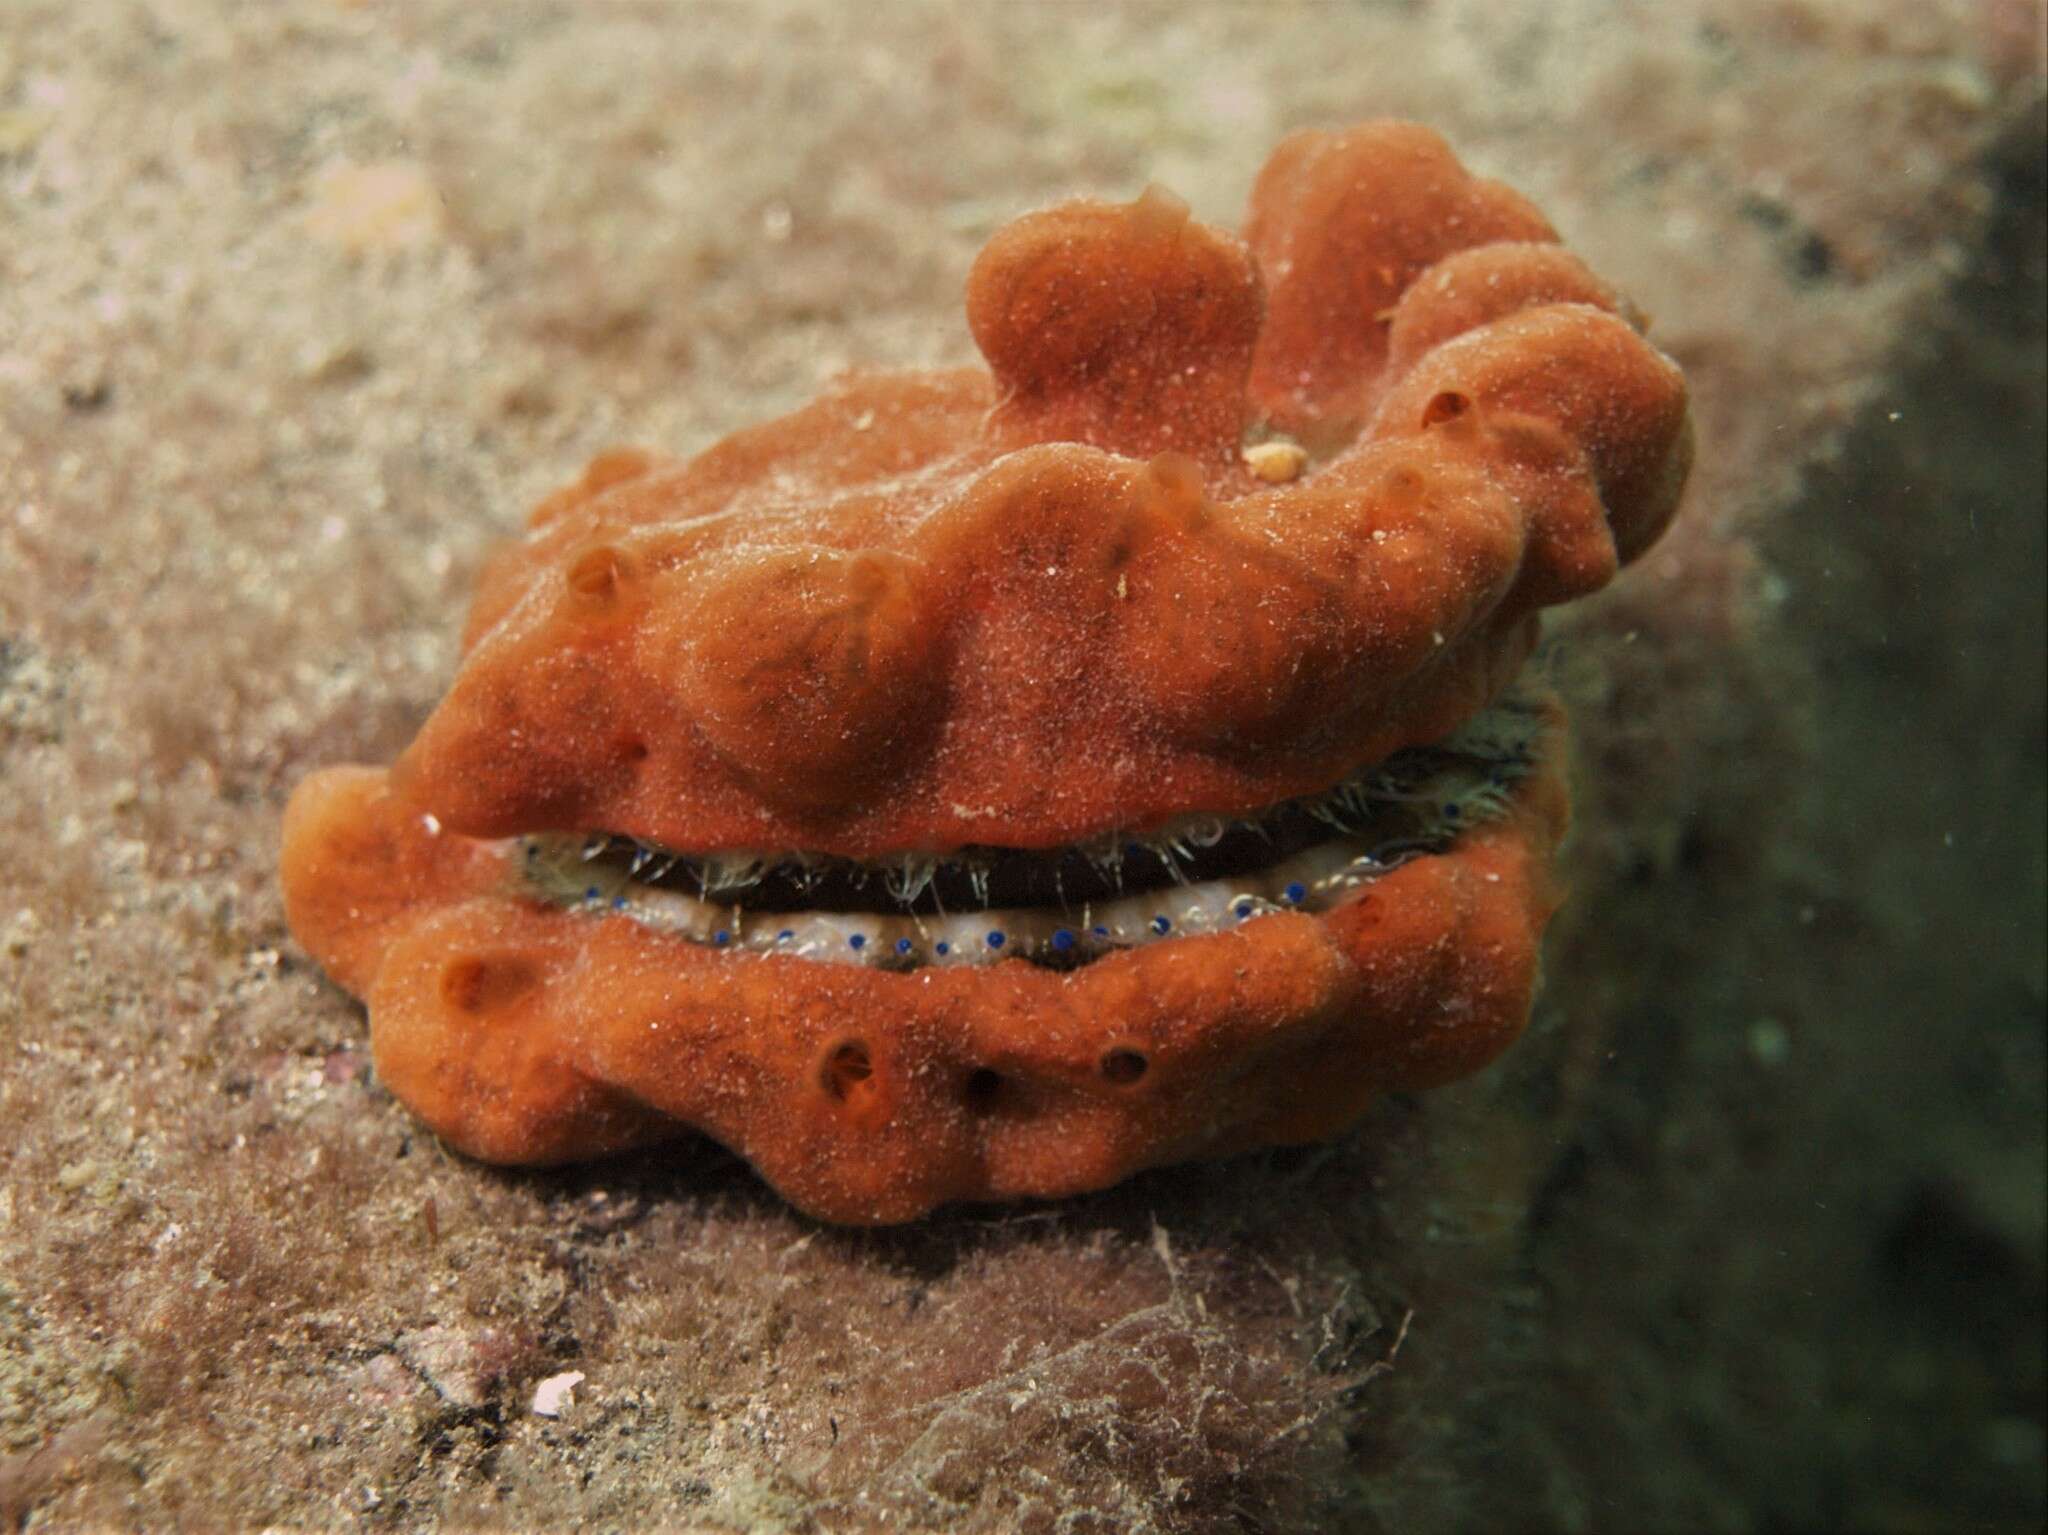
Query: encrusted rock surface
[[300, 304]]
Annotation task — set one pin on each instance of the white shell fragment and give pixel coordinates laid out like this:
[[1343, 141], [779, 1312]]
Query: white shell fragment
[[555, 1393]]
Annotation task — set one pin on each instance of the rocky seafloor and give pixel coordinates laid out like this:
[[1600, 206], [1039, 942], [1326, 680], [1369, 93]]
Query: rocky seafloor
[[302, 305]]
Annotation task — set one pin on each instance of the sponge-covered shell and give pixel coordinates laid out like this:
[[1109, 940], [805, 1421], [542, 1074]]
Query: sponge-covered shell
[[1095, 593]]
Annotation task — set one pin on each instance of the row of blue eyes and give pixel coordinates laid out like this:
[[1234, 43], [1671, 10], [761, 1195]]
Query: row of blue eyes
[[1063, 938]]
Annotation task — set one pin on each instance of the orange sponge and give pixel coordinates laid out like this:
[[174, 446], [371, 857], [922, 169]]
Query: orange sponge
[[987, 784]]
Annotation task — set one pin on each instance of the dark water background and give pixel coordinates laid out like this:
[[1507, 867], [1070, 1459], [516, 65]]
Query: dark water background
[[1801, 1250]]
